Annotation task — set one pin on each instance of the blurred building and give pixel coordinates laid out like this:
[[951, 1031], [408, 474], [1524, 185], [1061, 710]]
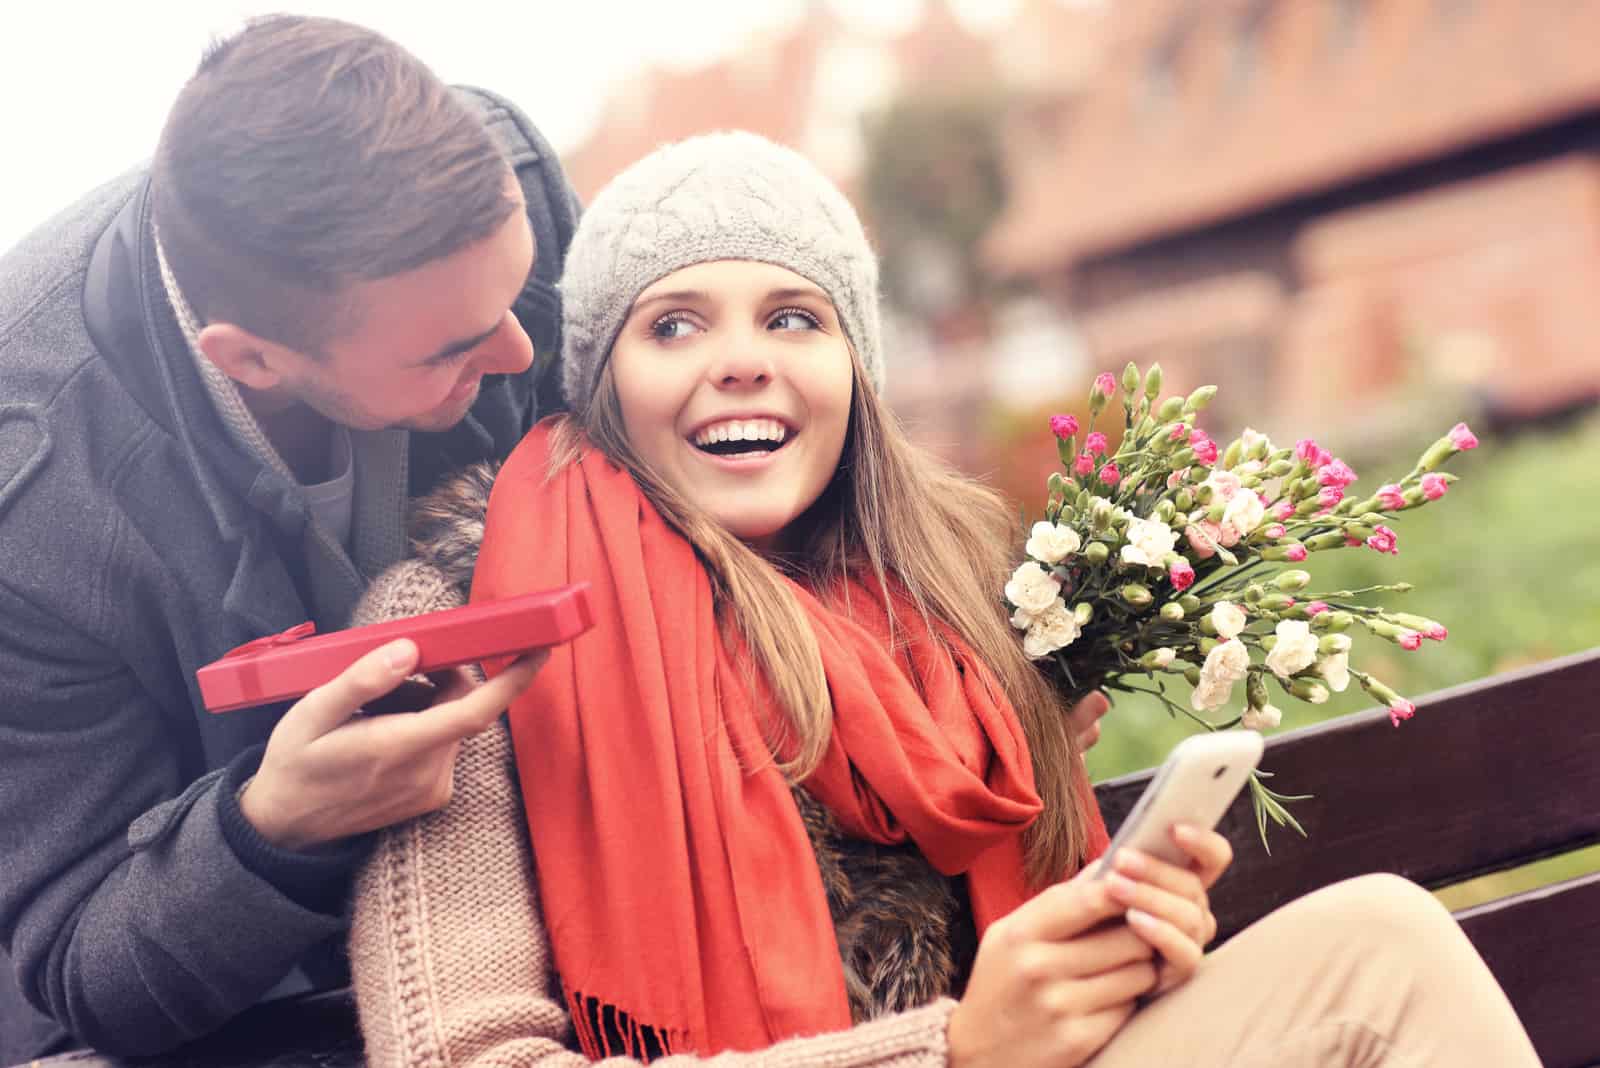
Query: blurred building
[[817, 85], [1317, 204]]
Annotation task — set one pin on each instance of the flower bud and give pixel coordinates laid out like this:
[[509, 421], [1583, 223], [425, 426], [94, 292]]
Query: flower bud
[[1082, 612], [1333, 644], [1165, 510], [1337, 622], [1331, 539], [1198, 400], [1152, 382], [1100, 392], [1137, 594], [1309, 690], [1130, 379], [1253, 593], [1276, 602], [1158, 658], [1172, 612], [1292, 581], [1286, 551], [1097, 553], [1255, 690], [1191, 675], [1055, 483], [1205, 645], [1184, 500], [1100, 513], [1170, 409], [1216, 511], [1189, 603], [1279, 468], [1232, 454]]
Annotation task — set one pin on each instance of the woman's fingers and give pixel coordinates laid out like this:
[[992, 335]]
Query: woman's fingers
[[1183, 912], [1096, 953], [1209, 852], [1180, 954], [1084, 718]]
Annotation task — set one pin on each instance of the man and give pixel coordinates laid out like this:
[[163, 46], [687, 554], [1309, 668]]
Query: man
[[223, 379]]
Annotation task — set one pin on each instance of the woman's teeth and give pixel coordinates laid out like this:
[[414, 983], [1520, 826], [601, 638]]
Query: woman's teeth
[[741, 435]]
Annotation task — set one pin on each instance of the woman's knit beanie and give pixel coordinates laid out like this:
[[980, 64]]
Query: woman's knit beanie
[[720, 196]]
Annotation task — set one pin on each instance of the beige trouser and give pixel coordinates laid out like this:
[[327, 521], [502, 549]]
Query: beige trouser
[[1371, 971]]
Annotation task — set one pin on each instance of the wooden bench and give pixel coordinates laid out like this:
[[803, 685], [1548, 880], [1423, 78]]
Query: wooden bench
[[1488, 776]]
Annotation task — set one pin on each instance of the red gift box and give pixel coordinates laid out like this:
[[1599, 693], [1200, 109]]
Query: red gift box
[[281, 666]]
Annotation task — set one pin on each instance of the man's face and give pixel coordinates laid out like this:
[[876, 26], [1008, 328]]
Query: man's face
[[424, 339]]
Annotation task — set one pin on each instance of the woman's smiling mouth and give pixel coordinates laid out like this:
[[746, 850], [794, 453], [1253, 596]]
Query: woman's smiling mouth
[[742, 439]]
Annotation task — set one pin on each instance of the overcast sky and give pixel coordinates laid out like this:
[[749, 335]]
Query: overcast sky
[[85, 84]]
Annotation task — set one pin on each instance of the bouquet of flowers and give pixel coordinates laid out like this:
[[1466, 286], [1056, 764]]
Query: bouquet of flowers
[[1173, 559]]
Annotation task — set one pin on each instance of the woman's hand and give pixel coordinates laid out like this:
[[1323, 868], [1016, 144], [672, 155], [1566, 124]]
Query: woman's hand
[[1053, 981], [1083, 719], [1169, 907]]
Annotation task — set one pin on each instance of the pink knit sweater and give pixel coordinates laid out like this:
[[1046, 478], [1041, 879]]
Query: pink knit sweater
[[448, 948]]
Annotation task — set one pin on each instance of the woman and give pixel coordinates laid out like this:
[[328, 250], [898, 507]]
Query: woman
[[800, 769]]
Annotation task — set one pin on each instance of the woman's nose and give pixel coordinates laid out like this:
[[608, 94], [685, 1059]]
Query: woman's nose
[[741, 362]]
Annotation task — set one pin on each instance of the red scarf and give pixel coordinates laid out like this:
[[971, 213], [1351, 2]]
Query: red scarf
[[680, 890]]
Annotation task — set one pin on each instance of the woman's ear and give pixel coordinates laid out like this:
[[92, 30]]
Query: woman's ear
[[242, 356]]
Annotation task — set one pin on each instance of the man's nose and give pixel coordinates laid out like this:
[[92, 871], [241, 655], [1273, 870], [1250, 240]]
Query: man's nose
[[508, 352]]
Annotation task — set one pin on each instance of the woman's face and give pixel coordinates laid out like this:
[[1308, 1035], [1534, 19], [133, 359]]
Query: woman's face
[[734, 381]]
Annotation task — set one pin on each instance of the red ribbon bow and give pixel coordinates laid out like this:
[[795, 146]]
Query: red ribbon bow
[[272, 641]]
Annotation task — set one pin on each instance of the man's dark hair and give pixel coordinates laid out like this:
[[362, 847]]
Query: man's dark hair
[[307, 154]]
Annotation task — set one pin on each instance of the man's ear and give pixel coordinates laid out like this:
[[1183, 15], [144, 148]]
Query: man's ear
[[243, 356]]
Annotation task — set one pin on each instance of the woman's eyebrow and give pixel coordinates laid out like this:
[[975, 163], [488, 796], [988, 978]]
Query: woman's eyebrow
[[797, 292], [684, 296]]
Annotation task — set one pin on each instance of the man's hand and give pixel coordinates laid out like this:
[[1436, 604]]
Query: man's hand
[[330, 773]]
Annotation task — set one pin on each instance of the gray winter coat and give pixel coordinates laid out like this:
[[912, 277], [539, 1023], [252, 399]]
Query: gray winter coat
[[138, 543]]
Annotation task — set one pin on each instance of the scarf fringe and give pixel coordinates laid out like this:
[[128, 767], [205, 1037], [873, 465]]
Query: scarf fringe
[[604, 1031]]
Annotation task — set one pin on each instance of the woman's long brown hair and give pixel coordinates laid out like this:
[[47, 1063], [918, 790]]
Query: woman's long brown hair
[[894, 511]]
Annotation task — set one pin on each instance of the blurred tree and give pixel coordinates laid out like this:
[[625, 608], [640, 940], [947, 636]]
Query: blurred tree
[[931, 186]]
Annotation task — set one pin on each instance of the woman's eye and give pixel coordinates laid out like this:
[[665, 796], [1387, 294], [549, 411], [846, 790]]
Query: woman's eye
[[793, 319], [671, 326]]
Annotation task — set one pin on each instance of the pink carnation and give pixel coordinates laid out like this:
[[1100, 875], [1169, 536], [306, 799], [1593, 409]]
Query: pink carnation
[[1335, 473], [1329, 497], [1181, 432], [1316, 608], [1384, 540], [1281, 511], [1392, 497], [1182, 575], [1311, 454], [1295, 553], [1351, 542], [1401, 710], [1410, 640], [1084, 464], [1205, 450], [1434, 485], [1437, 633], [1095, 443], [1203, 538], [1105, 384], [1063, 426], [1110, 475], [1275, 531], [1177, 478], [1462, 437]]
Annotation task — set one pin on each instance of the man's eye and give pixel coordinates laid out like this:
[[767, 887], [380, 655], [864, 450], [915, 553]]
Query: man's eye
[[671, 326], [793, 319]]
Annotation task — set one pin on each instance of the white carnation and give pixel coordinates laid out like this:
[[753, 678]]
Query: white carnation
[[1052, 542], [1261, 719], [1244, 512], [1335, 670], [1228, 661], [1149, 542], [1032, 589], [1052, 629], [1163, 657], [1226, 664], [1228, 618], [1295, 650]]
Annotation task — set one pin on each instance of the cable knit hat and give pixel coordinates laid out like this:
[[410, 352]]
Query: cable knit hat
[[721, 196]]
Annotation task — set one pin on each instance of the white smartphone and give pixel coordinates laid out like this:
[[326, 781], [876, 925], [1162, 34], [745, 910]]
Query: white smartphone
[[1195, 784]]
